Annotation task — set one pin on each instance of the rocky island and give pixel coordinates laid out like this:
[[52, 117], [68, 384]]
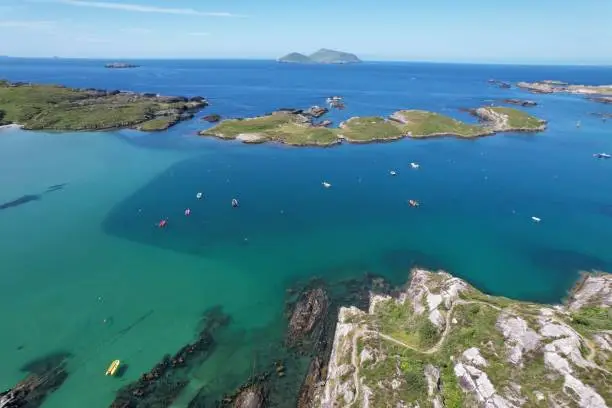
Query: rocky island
[[442, 343], [120, 65], [296, 127], [55, 107], [550, 86], [322, 56]]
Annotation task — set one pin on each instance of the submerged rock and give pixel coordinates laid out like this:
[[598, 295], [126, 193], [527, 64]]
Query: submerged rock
[[45, 375], [212, 118], [251, 397]]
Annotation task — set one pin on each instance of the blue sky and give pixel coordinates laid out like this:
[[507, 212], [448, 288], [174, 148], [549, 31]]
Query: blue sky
[[509, 31]]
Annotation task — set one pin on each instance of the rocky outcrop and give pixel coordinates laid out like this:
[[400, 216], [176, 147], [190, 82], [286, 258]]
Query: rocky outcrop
[[312, 386], [212, 118], [521, 102], [490, 352], [592, 289], [520, 338], [309, 311], [602, 99], [316, 111]]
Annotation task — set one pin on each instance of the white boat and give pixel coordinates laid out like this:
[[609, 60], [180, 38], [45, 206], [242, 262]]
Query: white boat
[[326, 184], [199, 196], [536, 219], [578, 124], [235, 203], [415, 165], [393, 173], [602, 155]]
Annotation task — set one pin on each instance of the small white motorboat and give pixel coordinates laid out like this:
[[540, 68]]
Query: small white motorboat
[[536, 219], [199, 196], [235, 203], [326, 184], [415, 165], [393, 173], [602, 155]]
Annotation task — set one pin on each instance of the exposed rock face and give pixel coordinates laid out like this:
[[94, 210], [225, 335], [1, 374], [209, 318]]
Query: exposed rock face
[[519, 337], [312, 385], [592, 289], [308, 312]]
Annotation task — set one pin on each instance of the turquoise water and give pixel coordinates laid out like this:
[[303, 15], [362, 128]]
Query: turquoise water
[[85, 270]]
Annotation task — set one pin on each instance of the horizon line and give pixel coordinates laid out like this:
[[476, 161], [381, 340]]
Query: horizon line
[[416, 61]]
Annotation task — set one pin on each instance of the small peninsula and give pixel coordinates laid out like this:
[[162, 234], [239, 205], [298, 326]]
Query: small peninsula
[[56, 107], [442, 343], [294, 127], [322, 56]]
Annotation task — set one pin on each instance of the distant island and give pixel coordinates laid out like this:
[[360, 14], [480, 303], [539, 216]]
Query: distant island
[[120, 65], [56, 107], [297, 127], [323, 56]]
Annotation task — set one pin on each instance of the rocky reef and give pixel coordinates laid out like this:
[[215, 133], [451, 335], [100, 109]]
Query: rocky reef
[[442, 343], [44, 376], [160, 386], [55, 107], [296, 127], [521, 102]]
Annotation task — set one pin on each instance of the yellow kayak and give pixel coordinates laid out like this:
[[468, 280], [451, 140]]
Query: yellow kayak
[[112, 369]]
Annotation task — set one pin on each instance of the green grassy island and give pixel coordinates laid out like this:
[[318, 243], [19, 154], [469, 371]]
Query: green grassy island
[[443, 343], [295, 128], [54, 107]]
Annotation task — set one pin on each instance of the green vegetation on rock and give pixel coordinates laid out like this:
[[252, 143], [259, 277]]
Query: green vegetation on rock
[[426, 124], [296, 128], [52, 107], [444, 343]]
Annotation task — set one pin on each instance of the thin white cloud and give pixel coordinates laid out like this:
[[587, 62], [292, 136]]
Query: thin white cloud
[[29, 24], [146, 9], [135, 30], [199, 34]]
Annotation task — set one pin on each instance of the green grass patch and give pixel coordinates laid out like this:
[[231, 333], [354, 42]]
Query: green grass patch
[[157, 124], [229, 129], [50, 107], [370, 128], [518, 119], [423, 124], [279, 127], [592, 318]]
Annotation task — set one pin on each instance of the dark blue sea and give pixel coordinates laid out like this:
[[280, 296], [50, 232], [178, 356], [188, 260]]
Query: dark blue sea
[[84, 269]]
